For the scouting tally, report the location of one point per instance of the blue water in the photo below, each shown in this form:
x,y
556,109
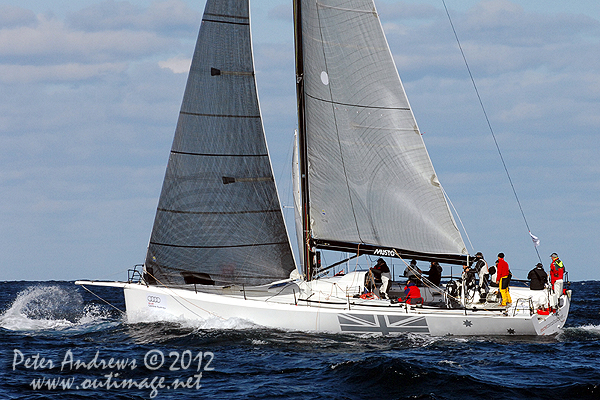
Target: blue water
x,y
68,327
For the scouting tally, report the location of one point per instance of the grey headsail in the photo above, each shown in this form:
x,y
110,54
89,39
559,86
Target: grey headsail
x,y
371,180
219,218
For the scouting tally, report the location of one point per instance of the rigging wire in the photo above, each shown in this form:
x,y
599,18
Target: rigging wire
x,y
105,301
490,126
458,216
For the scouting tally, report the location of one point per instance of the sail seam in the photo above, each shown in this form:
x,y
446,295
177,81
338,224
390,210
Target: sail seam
x,y
227,16
219,115
216,212
226,22
347,9
217,247
218,155
358,105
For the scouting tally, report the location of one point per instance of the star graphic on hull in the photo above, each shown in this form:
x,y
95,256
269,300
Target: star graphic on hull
x,y
467,323
510,331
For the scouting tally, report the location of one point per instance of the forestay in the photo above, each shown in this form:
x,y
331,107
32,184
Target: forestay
x,y
219,218
370,177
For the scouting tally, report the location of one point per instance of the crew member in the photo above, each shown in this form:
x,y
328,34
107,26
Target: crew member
x,y
382,271
481,267
504,275
557,271
412,293
414,272
434,273
468,277
537,277
494,274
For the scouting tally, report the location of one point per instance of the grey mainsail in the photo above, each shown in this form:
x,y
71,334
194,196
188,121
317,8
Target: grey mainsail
x,y
370,178
219,218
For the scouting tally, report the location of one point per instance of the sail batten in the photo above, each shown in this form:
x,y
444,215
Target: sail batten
x,y
219,218
219,212
323,5
220,116
188,153
219,246
358,105
244,19
225,22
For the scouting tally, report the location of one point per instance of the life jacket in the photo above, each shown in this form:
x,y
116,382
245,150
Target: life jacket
x,y
482,267
557,269
381,267
413,292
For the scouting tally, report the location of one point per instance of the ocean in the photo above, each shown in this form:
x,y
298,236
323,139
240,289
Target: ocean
x,y
58,341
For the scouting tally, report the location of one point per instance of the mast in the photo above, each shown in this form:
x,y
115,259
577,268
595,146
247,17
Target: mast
x,y
302,147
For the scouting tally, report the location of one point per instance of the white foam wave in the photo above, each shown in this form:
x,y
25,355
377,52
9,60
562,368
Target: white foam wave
x,y
216,323
229,323
450,363
50,308
349,363
591,328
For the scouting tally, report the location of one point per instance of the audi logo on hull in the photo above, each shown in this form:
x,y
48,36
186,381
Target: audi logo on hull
x,y
153,299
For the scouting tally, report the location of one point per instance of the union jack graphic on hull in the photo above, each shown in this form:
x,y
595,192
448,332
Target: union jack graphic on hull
x,y
384,324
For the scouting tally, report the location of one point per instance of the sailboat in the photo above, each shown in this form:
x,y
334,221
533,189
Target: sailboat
x,y
364,185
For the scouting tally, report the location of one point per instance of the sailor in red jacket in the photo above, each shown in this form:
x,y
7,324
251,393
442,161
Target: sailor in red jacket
x,y
503,277
557,271
412,292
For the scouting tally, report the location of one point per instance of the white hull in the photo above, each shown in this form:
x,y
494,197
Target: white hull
x,y
283,307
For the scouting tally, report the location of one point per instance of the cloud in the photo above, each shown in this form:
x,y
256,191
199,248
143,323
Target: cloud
x,y
58,73
501,21
169,17
407,11
282,12
101,40
496,36
11,16
50,41
178,65
530,67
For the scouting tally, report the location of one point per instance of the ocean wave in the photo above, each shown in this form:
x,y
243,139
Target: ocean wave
x,y
583,332
215,323
51,307
591,328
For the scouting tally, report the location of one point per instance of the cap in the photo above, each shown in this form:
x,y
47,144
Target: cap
x,y
540,265
554,255
478,254
501,255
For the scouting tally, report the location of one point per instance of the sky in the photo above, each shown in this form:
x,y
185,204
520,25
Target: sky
x,y
91,90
